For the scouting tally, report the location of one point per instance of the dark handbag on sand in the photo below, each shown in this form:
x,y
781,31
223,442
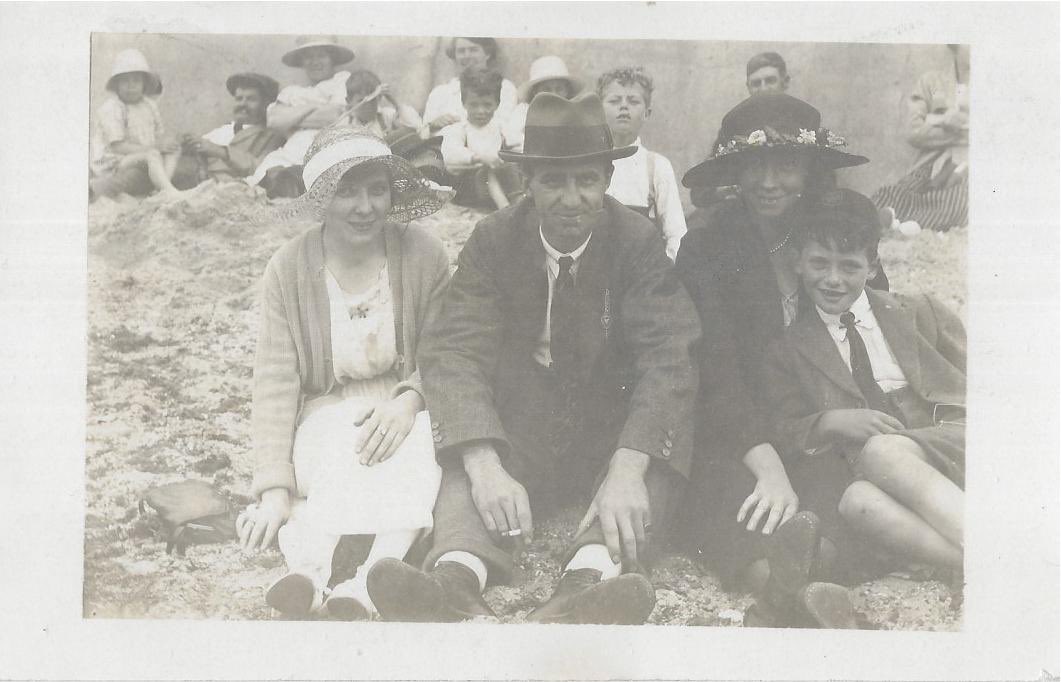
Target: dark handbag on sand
x,y
192,512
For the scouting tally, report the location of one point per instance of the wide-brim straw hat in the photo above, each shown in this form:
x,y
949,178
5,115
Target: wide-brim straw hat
x,y
572,131
336,150
769,121
340,54
547,68
266,85
134,61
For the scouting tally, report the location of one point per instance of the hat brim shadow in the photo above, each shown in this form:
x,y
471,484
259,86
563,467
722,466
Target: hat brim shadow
x,y
606,155
340,55
523,92
721,171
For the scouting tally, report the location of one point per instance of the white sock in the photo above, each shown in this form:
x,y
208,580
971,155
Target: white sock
x,y
471,561
597,557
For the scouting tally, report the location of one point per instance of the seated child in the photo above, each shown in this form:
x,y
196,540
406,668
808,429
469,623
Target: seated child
x,y
129,154
547,74
645,181
875,378
372,107
469,148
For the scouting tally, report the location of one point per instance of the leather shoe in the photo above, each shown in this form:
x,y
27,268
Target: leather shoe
x,y
828,605
293,595
446,594
792,553
581,597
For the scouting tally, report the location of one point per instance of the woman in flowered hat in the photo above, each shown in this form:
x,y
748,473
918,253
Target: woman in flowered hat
x,y
341,438
740,271
444,105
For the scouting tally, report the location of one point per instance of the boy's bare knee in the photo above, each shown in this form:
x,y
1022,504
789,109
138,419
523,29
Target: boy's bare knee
x,y
879,454
858,500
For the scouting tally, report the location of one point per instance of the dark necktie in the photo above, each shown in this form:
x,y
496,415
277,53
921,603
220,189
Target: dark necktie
x,y
562,343
862,369
236,127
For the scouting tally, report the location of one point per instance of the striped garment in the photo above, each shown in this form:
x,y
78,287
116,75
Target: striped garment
x,y
916,197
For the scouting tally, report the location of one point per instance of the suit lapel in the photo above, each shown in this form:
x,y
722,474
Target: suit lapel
x,y
812,341
900,331
590,285
529,283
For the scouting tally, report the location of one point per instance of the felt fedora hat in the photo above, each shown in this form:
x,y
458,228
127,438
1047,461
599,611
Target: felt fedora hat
x,y
769,121
266,85
405,140
133,61
566,130
340,54
547,68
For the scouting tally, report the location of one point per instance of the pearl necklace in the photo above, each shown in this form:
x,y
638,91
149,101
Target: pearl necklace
x,y
781,244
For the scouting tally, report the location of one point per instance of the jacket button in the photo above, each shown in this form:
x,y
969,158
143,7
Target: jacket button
x,y
438,438
668,443
666,452
434,425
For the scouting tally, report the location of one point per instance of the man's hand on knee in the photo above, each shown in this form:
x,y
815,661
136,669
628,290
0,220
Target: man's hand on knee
x,y
501,500
621,504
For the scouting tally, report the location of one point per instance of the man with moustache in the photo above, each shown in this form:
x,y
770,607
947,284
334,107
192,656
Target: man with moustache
x,y
232,151
559,370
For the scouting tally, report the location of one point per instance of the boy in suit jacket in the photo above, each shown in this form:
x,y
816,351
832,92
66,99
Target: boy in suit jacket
x,y
877,378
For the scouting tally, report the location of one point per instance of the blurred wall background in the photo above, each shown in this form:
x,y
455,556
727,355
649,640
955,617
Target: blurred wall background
x,y
859,87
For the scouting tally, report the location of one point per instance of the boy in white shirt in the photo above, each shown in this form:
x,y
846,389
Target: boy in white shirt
x,y
470,147
645,181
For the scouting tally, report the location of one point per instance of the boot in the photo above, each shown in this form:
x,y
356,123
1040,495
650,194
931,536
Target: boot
x,y
446,594
582,597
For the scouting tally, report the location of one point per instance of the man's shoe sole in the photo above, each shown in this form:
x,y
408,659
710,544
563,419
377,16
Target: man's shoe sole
x,y
625,600
403,593
792,551
291,595
346,608
829,606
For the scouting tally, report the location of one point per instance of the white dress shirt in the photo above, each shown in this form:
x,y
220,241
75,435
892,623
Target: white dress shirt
x,y
630,187
552,269
446,99
886,370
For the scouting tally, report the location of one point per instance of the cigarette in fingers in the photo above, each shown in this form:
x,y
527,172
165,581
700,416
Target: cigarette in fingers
x,y
515,533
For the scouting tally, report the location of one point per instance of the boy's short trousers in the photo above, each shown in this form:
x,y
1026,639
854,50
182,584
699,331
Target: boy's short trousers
x,y
472,188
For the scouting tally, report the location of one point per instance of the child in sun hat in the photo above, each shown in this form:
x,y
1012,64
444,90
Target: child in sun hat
x,y
547,74
470,147
129,152
645,181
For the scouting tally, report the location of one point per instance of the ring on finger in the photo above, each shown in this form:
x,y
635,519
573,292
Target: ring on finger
x,y
383,430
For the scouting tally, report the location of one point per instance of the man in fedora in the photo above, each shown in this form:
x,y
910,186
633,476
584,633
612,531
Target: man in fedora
x,y
232,151
558,370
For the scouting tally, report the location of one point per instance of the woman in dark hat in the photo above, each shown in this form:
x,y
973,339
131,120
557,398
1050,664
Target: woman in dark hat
x,y
444,106
741,274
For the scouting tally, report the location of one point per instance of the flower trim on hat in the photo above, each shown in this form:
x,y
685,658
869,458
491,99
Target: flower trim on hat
x,y
768,137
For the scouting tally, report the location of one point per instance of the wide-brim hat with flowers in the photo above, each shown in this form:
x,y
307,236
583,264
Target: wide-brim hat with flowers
x,y
547,68
769,121
134,61
336,150
340,54
561,130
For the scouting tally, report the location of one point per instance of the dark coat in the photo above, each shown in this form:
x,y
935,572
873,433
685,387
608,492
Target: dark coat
x,y
638,334
805,374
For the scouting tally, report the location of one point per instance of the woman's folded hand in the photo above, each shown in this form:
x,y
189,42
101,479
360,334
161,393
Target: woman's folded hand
x,y
385,426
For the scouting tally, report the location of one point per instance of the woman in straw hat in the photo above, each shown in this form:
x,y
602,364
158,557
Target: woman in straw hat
x,y
300,111
129,152
444,106
341,439
741,274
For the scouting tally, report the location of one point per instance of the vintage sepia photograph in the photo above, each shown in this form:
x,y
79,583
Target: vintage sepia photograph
x,y
530,340
461,328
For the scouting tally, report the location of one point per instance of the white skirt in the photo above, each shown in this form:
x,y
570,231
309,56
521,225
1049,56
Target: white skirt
x,y
344,497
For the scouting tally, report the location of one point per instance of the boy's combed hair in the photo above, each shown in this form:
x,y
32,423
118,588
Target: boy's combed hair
x,y
362,80
626,76
767,59
482,82
839,218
